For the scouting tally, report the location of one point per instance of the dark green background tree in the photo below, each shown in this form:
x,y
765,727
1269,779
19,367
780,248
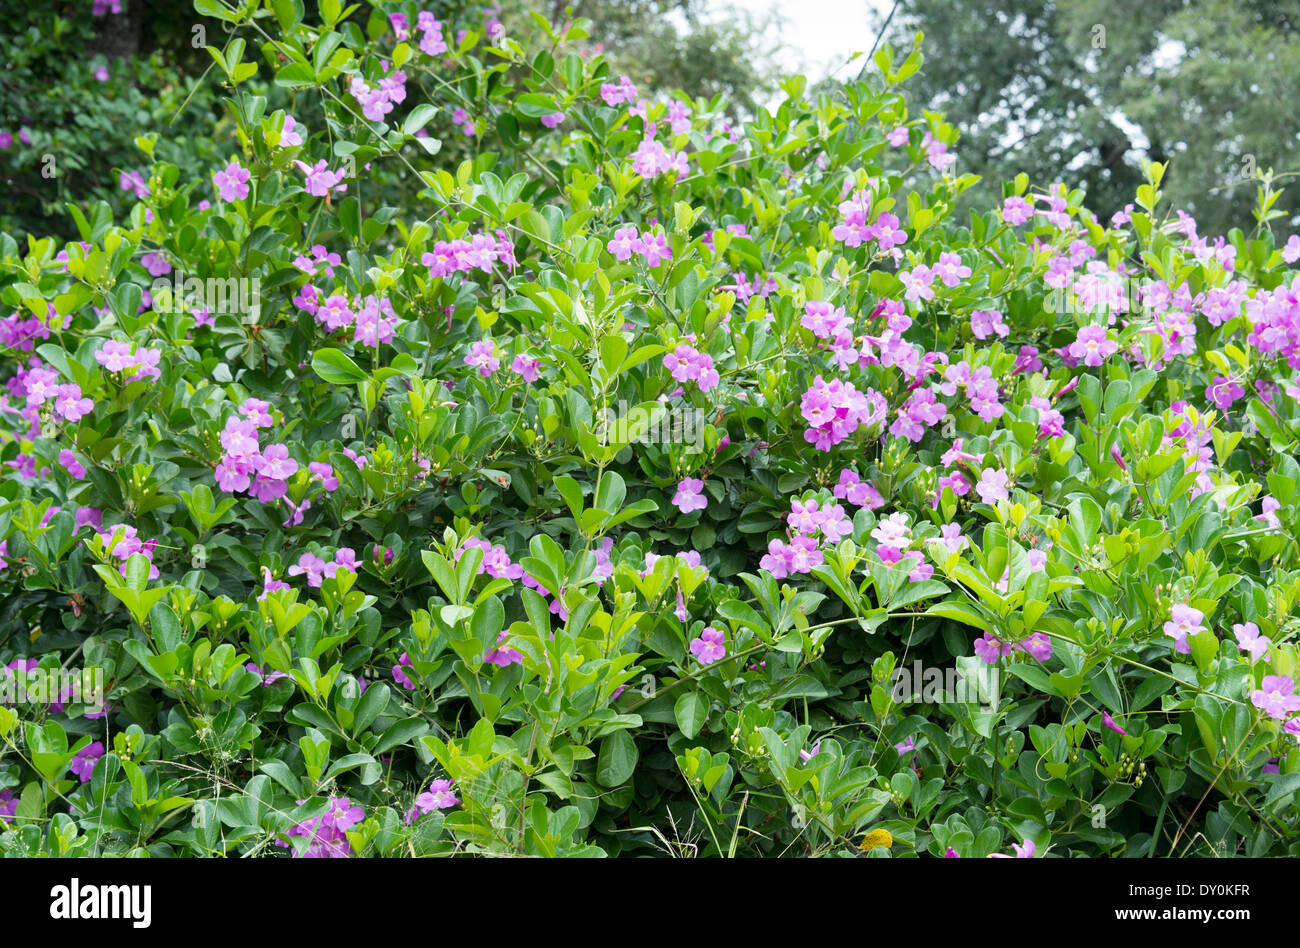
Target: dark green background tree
x,y
1082,91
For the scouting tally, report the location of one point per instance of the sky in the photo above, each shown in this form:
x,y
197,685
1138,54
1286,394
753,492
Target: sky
x,y
818,36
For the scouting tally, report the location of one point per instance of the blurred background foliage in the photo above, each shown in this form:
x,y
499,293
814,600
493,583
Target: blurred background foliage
x,y
1081,90
1077,91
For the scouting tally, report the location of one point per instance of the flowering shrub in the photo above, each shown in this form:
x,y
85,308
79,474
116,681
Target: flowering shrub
x,y
373,519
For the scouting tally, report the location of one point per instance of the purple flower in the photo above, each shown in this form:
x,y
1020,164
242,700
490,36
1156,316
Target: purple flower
x,y
1249,640
690,495
526,367
69,462
231,181
990,648
133,181
624,243
992,485
70,404
439,796
1092,346
1016,211
83,765
1223,392
1184,621
481,355
268,678
503,655
710,646
400,676
320,180
986,322
1276,696
312,566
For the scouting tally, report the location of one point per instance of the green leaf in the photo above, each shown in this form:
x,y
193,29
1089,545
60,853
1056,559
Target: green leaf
x,y
617,760
336,368
691,711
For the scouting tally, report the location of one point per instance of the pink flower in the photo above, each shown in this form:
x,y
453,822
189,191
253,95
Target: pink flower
x,y
503,655
1092,346
625,243
709,646
1184,621
276,462
231,182
690,495
1109,722
156,264
526,367
655,249
1249,640
291,133
70,403
344,558
320,180
1276,696
481,355
992,485
616,93
310,565
133,181
986,322
71,465
950,269
1016,211
439,796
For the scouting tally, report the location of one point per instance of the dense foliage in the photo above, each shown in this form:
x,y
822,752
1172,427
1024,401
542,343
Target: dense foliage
x,y
640,483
